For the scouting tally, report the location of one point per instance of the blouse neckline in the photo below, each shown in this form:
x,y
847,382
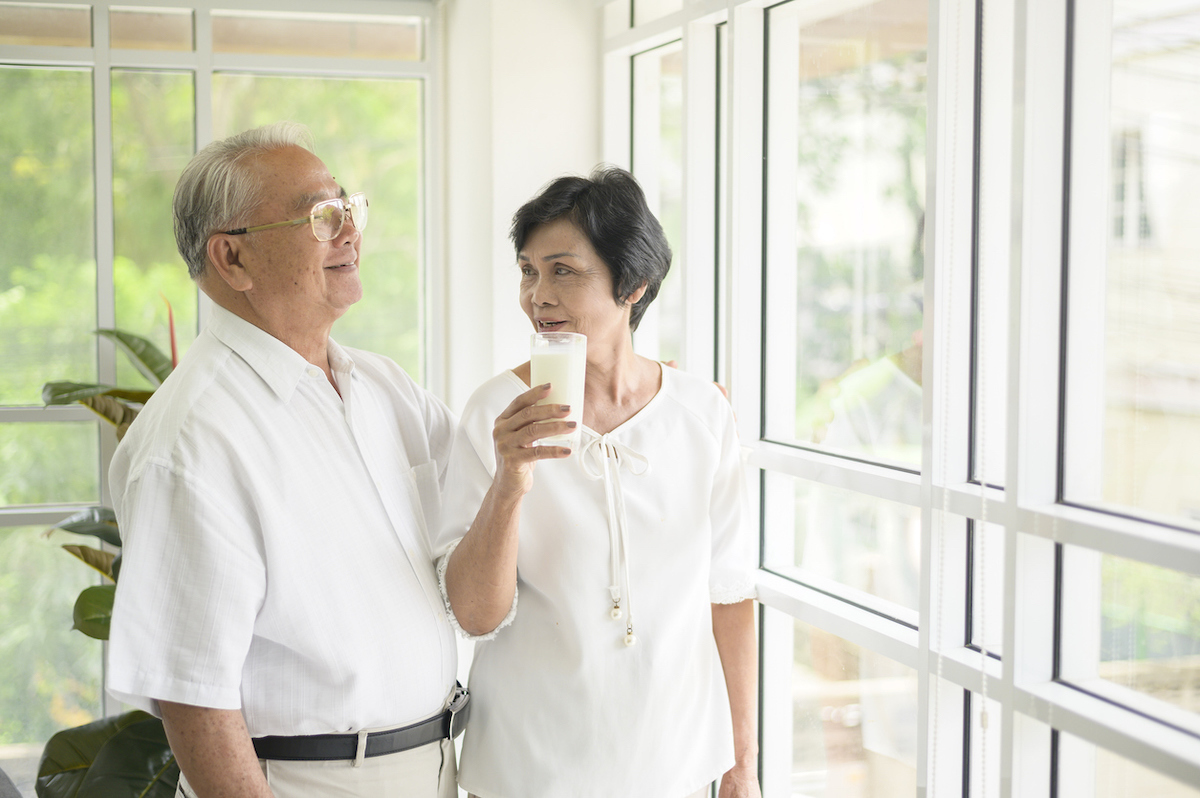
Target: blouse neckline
x,y
627,423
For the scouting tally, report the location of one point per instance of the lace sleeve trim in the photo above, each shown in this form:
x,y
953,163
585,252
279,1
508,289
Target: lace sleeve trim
x,y
733,593
441,574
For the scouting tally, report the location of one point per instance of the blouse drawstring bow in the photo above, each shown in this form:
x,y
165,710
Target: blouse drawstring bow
x,y
602,458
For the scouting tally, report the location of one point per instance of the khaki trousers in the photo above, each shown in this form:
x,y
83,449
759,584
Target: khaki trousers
x,y
700,794
425,772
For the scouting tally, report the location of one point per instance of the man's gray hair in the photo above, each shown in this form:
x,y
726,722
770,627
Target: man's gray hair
x,y
217,190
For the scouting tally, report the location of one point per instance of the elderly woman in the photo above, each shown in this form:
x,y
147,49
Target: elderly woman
x,y
611,587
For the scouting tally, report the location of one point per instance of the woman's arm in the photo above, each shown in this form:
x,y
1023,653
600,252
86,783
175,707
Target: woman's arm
x,y
481,576
733,628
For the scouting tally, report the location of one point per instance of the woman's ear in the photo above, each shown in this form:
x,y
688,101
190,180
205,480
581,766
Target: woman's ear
x,y
637,293
225,256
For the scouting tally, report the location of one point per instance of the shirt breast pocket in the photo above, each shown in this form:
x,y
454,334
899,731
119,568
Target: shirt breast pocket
x,y
427,501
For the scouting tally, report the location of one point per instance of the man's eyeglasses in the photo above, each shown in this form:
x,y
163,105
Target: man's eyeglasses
x,y
325,217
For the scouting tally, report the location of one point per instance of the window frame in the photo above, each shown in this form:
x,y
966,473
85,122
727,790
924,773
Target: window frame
x,y
100,59
1025,47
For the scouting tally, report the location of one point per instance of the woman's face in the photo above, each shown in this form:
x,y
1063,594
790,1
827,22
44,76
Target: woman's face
x,y
566,287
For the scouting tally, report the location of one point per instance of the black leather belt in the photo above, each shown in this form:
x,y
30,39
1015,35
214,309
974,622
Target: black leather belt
x,y
314,747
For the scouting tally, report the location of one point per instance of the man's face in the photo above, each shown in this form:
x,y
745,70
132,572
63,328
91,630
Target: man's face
x,y
296,279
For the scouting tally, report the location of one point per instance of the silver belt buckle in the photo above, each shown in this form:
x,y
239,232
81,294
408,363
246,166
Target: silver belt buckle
x,y
460,710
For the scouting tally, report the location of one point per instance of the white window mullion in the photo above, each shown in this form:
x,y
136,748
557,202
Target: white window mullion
x,y
781,344
317,66
1032,455
105,291
618,108
741,301
434,290
744,253
945,370
1088,234
204,115
1144,740
860,626
839,472
776,721
699,195
1131,538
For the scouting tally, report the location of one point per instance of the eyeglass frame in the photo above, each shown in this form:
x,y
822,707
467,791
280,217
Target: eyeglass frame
x,y
347,211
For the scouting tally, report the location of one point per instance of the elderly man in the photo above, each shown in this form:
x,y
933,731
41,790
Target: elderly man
x,y
278,605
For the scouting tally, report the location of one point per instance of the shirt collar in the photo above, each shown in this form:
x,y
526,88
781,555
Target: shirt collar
x,y
280,366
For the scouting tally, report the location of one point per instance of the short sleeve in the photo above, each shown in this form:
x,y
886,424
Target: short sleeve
x,y
469,473
192,581
440,425
731,576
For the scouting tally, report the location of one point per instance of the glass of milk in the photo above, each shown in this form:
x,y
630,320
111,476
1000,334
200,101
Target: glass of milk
x,y
560,358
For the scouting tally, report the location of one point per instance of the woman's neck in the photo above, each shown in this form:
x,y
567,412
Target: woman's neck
x,y
613,373
618,385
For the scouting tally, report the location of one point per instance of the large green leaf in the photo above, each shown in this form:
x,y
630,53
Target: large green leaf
x,y
98,522
135,763
93,610
64,392
119,414
145,356
68,754
102,561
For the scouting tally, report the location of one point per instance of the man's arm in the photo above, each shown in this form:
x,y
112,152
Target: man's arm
x,y
214,751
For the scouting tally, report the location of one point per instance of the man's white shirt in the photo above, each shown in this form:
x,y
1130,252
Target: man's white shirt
x,y
277,553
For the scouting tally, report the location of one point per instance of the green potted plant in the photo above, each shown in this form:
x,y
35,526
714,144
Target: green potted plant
x,y
125,755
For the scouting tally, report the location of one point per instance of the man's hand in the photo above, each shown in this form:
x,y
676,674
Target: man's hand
x,y
675,364
740,782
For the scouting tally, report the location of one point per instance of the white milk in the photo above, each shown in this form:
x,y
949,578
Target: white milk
x,y
561,360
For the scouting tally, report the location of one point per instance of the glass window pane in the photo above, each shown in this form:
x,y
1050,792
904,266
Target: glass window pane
x,y
1147,297
327,35
373,144
1087,769
649,10
47,263
153,129
658,165
150,28
1152,423
45,25
987,587
49,673
854,719
49,463
1150,630
868,545
845,213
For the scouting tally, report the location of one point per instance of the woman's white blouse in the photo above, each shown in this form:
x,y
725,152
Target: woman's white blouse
x,y
562,705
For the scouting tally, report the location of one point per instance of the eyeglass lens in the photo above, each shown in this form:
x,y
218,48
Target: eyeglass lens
x,y
329,217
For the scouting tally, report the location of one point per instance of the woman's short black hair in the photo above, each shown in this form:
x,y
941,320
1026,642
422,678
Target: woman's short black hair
x,y
610,209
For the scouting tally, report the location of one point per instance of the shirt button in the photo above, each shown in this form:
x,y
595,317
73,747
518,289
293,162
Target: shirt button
x,y
313,371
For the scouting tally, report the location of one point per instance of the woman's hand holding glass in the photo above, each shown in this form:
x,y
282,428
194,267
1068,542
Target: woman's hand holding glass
x,y
516,432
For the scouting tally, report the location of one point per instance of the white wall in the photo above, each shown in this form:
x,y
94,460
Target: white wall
x,y
522,81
